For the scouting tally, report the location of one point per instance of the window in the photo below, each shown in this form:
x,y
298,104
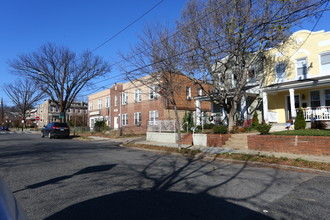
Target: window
x,y
301,67
153,92
107,102
99,104
116,100
153,117
137,118
325,62
124,98
315,99
137,95
69,110
199,92
124,119
280,70
90,106
327,97
188,92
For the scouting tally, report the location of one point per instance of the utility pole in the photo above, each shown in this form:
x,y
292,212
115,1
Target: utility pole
x,y
2,112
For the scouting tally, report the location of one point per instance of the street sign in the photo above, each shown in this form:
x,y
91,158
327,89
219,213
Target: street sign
x,y
37,118
62,115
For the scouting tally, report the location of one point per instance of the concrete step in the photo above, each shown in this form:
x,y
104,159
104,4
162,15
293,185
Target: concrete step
x,y
278,127
237,141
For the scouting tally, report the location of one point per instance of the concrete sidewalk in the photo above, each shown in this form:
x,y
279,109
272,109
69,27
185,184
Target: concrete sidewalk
x,y
218,150
214,150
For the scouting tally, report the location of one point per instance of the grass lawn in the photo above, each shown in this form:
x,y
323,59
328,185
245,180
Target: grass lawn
x,y
306,132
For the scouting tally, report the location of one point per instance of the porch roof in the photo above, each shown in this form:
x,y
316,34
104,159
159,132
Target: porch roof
x,y
298,84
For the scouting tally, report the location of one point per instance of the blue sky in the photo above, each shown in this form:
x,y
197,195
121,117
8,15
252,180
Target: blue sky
x,y
80,25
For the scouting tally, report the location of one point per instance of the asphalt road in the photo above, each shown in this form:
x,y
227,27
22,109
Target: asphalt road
x,y
72,179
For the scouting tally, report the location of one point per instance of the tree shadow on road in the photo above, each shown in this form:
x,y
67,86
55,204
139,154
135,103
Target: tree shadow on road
x,y
163,200
87,170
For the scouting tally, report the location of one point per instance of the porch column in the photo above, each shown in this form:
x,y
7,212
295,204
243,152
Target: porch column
x,y
265,106
198,112
243,108
292,103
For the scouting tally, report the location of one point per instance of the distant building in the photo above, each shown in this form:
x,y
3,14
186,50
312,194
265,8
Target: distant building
x,y
48,112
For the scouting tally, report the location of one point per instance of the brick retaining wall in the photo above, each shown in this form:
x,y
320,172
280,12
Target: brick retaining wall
x,y
312,145
186,138
213,140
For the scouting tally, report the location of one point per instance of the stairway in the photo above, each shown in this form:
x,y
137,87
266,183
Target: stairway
x,y
278,127
237,141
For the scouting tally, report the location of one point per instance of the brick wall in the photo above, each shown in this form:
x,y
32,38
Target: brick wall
x,y
186,138
217,140
291,144
213,140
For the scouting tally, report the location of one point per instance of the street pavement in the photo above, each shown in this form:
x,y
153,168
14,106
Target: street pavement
x,y
100,179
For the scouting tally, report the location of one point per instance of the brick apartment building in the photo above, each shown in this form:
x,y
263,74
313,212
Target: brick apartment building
x,y
131,106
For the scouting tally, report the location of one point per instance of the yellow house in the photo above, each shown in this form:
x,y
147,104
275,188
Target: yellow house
x,y
298,75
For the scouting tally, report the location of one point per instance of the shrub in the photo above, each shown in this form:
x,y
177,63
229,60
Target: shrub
x,y
322,125
247,123
220,129
300,122
188,121
264,128
209,126
99,126
255,120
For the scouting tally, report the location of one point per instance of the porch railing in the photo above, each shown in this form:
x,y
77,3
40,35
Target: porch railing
x,y
319,113
272,116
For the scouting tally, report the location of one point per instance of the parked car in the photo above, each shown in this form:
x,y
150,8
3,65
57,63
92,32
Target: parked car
x,y
56,129
4,128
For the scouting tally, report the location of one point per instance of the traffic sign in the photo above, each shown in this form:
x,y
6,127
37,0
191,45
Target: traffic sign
x,y
37,118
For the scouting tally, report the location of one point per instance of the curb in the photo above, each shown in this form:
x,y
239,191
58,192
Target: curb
x,y
207,156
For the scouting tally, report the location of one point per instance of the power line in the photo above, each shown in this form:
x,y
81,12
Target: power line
x,y
317,21
182,53
128,26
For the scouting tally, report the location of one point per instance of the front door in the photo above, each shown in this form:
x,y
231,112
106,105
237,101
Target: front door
x,y
288,106
115,123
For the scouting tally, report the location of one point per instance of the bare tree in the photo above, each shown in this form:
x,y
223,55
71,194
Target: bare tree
x,y
24,95
225,41
156,56
59,72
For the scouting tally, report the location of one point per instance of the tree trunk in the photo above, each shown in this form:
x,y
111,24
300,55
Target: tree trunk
x,y
177,126
231,116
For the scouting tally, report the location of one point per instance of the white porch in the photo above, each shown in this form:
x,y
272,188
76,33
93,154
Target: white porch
x,y
284,100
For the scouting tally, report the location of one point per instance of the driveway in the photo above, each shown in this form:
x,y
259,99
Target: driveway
x,y
72,179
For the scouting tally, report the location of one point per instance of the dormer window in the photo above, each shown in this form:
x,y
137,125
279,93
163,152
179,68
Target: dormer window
x,y
325,62
280,70
301,67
